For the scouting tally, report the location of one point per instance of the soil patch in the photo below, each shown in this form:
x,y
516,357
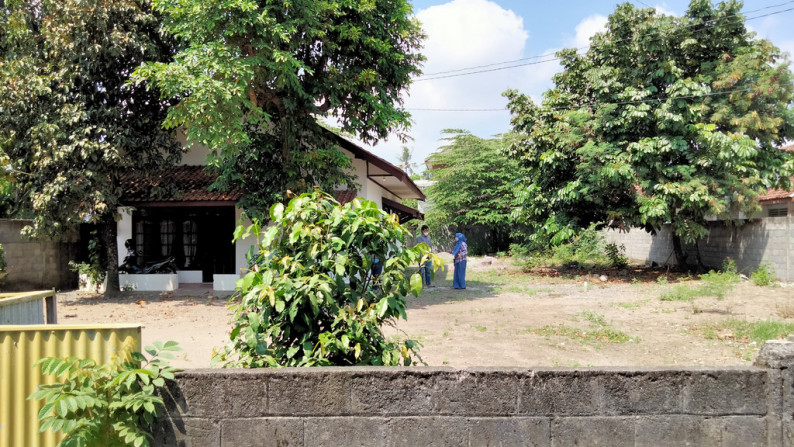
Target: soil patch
x,y
505,317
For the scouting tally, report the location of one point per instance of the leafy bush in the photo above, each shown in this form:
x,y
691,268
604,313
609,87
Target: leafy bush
x,y
108,404
764,275
311,297
616,255
586,249
94,269
3,264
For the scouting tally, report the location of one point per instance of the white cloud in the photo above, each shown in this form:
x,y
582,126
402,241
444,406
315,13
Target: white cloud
x,y
464,33
586,29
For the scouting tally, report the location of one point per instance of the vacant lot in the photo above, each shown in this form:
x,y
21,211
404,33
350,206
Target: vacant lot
x,y
637,317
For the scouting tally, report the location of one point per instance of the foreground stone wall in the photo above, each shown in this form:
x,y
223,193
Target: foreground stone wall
x,y
35,265
479,407
769,240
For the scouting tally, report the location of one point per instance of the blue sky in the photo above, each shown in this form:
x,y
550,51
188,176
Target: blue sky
x,y
468,33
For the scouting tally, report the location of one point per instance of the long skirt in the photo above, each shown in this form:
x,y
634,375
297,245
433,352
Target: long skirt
x,y
459,275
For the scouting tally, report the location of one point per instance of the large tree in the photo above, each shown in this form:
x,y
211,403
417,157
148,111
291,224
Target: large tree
x,y
473,187
255,76
70,122
663,120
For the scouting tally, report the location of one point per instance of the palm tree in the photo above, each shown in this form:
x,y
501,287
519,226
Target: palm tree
x,y
404,161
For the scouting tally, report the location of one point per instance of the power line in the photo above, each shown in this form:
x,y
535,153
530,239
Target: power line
x,y
594,104
704,26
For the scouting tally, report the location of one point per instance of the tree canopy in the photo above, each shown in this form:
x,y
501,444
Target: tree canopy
x,y
253,78
473,187
70,123
663,120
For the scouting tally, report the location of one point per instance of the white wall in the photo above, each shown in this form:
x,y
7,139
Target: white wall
x,y
241,246
124,230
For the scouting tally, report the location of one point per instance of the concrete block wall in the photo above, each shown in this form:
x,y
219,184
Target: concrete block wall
x,y
371,406
768,240
35,265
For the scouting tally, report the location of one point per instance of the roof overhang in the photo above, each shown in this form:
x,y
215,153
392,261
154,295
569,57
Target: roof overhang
x,y
383,173
404,213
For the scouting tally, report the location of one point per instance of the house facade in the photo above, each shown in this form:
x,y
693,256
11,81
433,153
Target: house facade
x,y
196,225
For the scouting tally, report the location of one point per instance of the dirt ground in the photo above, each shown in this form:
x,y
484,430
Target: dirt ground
x,y
505,317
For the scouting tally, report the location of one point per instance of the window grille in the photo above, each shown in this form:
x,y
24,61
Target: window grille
x,y
778,212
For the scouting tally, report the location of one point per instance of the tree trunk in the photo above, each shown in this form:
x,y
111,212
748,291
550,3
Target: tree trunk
x,y
109,232
680,256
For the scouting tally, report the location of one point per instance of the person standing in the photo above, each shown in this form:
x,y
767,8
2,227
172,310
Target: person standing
x,y
460,253
426,268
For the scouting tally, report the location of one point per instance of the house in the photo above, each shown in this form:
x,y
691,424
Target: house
x,y
196,226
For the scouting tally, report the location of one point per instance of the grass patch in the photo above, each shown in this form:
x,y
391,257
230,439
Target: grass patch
x,y
599,330
594,318
480,328
742,330
601,334
631,304
715,284
516,289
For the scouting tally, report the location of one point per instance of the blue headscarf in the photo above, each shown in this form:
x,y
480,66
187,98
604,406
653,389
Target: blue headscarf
x,y
460,240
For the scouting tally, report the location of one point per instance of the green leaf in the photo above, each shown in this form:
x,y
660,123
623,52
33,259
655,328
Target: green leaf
x,y
416,284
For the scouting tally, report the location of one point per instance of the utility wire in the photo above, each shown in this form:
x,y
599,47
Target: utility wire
x,y
551,57
595,104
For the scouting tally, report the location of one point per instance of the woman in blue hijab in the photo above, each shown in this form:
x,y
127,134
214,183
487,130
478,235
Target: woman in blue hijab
x,y
459,252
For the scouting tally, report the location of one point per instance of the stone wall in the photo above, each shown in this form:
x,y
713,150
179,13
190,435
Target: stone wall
x,y
363,406
35,265
768,240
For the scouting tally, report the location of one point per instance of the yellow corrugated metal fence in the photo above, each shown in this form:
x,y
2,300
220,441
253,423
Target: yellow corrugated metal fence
x,y
21,346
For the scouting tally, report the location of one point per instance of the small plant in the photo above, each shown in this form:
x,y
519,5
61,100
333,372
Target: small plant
x,y
594,318
616,255
109,404
94,269
480,328
764,275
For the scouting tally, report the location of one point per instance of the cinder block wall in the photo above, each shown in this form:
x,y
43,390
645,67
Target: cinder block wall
x,y
35,265
769,240
363,406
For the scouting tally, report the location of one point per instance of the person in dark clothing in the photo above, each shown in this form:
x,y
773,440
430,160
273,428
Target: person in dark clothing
x,y
426,268
460,253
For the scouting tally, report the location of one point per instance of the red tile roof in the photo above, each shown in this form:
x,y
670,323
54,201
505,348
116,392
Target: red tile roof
x,y
344,196
776,194
190,182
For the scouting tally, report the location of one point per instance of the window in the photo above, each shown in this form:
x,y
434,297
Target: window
x,y
189,241
780,211
167,233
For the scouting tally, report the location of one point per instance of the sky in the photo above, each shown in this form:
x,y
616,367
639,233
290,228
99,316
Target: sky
x,y
470,33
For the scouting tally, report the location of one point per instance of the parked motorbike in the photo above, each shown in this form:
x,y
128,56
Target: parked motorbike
x,y
130,265
167,265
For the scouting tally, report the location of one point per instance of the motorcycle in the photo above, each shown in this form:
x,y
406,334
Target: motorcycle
x,y
130,265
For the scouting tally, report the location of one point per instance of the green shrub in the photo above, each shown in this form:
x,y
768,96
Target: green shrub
x,y
104,405
616,255
764,275
2,259
94,269
311,298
